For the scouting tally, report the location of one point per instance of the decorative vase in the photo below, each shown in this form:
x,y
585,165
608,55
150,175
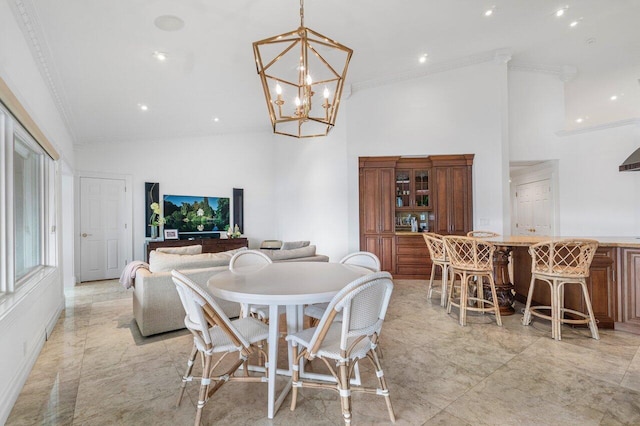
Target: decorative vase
x,y
154,232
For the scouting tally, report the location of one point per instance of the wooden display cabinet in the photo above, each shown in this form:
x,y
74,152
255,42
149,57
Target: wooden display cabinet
x,y
394,189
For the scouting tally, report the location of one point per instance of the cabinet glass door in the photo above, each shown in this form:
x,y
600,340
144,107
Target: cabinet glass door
x,y
403,188
421,185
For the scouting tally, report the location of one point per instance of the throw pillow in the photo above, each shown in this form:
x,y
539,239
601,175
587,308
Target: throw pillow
x,y
195,249
165,262
291,254
290,245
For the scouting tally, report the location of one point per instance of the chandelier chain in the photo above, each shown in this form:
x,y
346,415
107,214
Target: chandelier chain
x,y
302,13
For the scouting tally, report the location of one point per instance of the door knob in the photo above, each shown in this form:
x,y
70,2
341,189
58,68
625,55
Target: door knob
x,y
84,234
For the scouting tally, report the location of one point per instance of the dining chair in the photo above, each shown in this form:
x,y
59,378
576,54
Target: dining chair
x,y
471,258
364,259
559,263
214,333
439,257
341,345
252,258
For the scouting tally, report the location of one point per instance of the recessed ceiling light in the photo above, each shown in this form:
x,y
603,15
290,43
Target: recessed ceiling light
x,y
560,12
490,11
161,56
216,119
423,58
579,120
169,23
614,97
143,107
575,22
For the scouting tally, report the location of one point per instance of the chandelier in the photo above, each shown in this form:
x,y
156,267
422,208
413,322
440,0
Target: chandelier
x,y
302,74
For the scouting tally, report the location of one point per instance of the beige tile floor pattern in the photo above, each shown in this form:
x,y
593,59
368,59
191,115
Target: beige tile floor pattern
x,y
96,369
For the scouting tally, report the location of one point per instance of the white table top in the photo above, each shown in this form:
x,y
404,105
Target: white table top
x,y
284,283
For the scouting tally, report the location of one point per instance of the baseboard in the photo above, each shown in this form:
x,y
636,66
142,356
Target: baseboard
x,y
15,387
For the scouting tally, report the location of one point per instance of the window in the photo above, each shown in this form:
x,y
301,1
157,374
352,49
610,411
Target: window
x,y
26,202
28,207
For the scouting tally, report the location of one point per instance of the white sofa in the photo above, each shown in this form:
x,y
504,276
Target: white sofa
x,y
156,305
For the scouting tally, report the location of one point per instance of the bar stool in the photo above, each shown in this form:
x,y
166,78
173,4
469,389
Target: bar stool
x,y
558,263
471,257
438,258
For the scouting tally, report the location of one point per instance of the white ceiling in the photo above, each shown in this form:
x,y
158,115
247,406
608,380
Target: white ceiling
x,y
97,55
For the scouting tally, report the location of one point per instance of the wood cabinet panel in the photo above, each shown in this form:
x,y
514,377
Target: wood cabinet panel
x,y
629,296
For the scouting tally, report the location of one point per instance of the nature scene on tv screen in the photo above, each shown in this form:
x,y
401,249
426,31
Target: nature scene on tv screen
x,y
196,214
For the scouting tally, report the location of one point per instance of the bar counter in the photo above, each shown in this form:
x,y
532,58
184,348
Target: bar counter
x,y
614,279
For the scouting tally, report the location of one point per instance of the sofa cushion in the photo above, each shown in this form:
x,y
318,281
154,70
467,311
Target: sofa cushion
x,y
164,262
194,249
276,255
290,245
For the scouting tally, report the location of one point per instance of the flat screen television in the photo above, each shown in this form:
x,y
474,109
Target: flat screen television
x,y
196,216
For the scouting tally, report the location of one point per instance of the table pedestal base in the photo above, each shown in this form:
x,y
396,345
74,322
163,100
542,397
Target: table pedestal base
x,y
504,288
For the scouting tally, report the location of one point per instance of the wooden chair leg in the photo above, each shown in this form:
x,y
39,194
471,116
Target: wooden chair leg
x,y
204,388
295,375
384,390
344,388
187,373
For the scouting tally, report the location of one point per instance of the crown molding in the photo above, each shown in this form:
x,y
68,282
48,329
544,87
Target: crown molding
x,y
26,16
605,126
564,72
501,56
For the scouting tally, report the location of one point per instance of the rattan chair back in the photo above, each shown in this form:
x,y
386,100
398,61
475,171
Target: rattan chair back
x,y
569,258
435,244
248,258
363,304
362,258
469,253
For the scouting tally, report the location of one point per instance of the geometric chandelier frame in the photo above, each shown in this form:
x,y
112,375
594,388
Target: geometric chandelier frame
x,y
302,74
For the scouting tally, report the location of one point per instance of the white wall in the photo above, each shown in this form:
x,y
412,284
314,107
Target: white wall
x,y
457,112
207,166
311,190
595,199
34,308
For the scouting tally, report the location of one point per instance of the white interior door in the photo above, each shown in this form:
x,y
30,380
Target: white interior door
x,y
102,228
534,208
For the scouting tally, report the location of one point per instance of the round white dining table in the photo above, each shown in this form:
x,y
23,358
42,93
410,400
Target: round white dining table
x,y
290,284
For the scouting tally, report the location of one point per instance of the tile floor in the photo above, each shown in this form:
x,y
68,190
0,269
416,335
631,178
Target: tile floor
x,y
97,369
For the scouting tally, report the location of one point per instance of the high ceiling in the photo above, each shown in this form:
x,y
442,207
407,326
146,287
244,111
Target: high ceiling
x,y
97,55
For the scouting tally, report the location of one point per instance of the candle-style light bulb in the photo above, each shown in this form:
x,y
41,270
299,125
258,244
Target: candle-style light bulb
x,y
278,89
309,81
326,93
297,101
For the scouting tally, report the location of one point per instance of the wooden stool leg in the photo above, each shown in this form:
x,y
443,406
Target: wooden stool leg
x,y
433,274
444,286
526,319
464,290
557,309
496,306
592,319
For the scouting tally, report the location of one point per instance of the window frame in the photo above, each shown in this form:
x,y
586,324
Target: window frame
x,y
10,129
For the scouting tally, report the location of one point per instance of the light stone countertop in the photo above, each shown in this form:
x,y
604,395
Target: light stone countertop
x,y
527,240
